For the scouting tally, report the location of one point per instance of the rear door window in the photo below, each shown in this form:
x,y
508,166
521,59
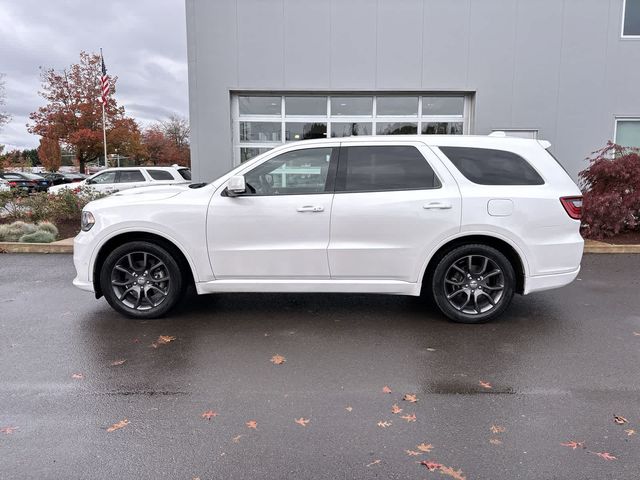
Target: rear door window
x,y
486,166
380,168
130,176
185,173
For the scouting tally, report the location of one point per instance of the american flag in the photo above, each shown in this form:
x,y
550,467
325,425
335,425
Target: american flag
x,y
104,81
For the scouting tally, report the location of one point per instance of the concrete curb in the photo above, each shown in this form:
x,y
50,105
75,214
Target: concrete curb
x,y
66,246
61,246
592,246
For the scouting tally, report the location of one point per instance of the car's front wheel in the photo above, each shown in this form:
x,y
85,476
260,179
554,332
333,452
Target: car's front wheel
x,y
141,280
473,284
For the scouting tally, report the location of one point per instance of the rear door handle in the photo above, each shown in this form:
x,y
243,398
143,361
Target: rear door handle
x,y
437,206
310,208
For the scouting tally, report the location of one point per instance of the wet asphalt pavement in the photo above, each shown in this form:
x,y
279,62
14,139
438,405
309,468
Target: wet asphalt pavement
x,y
561,364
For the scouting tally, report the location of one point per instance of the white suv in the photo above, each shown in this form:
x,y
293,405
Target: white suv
x,y
111,180
469,220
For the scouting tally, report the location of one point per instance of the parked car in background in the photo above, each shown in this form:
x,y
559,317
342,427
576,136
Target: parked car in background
x,y
468,220
4,185
59,178
20,181
42,184
111,180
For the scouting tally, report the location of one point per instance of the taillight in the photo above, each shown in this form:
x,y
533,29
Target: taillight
x,y
573,206
13,184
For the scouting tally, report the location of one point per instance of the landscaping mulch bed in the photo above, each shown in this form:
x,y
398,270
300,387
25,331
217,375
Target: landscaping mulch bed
x,y
626,238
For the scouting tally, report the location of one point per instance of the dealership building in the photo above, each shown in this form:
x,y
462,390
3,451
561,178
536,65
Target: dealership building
x,y
266,72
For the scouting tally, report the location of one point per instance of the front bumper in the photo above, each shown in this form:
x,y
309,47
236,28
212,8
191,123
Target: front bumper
x,y
82,251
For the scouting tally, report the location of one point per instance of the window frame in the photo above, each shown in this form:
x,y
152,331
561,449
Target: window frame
x,y
419,119
624,16
630,118
340,178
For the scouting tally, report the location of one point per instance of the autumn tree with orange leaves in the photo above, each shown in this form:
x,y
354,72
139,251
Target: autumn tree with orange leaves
x,y
73,113
49,153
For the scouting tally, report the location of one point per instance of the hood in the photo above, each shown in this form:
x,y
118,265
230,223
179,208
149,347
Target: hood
x,y
154,192
140,195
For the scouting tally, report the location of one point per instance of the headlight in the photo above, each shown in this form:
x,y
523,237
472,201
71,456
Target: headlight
x,y
87,221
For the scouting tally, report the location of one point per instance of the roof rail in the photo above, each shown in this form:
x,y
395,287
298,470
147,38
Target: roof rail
x,y
498,133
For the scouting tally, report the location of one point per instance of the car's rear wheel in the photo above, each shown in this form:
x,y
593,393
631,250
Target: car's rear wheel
x,y
473,284
141,280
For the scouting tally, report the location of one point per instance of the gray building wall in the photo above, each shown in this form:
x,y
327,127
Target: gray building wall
x,y
558,66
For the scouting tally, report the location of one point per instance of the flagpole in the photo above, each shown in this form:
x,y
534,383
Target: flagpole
x,y
104,135
104,121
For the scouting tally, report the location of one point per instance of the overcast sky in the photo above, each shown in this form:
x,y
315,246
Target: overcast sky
x,y
144,44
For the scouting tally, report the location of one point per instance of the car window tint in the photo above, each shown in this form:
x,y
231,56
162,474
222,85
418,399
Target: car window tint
x,y
492,167
106,177
160,174
292,173
185,172
383,168
128,176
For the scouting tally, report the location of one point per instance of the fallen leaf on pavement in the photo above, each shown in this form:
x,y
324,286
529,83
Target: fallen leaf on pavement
x,y
385,424
630,431
237,438
413,453
619,420
495,441
115,363
486,385
425,447
118,426
209,414
409,418
497,429
348,409
573,445
395,409
431,466
429,349
77,376
252,424
606,455
278,360
8,430
386,389
457,474
163,340
375,462
302,421
410,397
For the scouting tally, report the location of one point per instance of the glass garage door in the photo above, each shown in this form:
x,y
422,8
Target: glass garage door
x,y
263,121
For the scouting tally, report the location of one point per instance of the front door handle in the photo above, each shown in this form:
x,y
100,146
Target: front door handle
x,y
437,206
310,208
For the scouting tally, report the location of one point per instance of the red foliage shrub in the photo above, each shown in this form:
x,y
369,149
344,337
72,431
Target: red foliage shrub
x,y
611,186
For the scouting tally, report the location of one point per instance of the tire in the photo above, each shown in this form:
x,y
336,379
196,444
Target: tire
x,y
473,284
141,280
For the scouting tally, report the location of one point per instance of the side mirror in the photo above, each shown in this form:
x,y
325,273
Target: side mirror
x,y
236,185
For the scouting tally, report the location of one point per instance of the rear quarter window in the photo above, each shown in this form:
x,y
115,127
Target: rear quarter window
x,y
486,166
160,174
185,173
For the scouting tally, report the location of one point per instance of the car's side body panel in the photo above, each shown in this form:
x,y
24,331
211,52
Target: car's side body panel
x,y
369,242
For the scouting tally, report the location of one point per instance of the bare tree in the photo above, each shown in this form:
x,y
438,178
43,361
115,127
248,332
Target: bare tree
x,y
177,129
4,116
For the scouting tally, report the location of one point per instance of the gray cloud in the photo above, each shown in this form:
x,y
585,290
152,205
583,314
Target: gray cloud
x,y
144,43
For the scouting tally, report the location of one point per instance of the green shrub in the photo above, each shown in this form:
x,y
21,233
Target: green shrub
x,y
39,236
15,230
12,205
48,227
